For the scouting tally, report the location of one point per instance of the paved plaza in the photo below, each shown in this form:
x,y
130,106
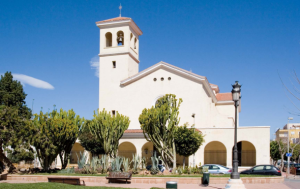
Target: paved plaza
x,y
288,184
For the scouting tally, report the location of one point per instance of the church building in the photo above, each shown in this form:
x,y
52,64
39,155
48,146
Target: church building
x,y
125,89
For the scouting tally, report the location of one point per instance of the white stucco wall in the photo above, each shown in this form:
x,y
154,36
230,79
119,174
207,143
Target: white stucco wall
x,y
258,136
215,120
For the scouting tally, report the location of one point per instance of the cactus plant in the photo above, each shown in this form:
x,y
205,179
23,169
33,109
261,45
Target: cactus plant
x,y
154,169
126,164
81,160
143,162
136,161
116,164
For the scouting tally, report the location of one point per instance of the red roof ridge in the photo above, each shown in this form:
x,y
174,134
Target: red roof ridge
x,y
224,96
114,19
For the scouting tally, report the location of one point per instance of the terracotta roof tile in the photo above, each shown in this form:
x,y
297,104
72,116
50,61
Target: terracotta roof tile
x,y
141,131
133,131
224,96
114,19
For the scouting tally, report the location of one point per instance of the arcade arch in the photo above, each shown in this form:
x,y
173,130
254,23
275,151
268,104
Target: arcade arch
x,y
215,153
246,153
126,149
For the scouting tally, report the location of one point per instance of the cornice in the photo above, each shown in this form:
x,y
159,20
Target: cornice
x,y
120,53
120,23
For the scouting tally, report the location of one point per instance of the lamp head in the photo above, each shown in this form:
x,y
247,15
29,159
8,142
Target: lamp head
x,y
236,90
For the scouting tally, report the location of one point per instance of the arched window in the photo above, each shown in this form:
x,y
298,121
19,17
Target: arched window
x,y
135,40
131,35
120,38
108,37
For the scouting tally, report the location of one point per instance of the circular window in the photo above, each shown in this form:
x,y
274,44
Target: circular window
x,y
162,78
154,79
169,78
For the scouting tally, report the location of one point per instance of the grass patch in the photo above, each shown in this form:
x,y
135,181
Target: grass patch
x,y
48,185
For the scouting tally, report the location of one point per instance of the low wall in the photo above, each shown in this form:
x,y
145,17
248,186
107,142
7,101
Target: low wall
x,y
148,180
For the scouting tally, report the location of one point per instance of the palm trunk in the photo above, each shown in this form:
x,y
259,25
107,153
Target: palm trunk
x,y
183,162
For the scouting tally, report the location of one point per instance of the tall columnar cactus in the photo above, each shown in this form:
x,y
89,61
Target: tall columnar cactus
x,y
108,129
159,125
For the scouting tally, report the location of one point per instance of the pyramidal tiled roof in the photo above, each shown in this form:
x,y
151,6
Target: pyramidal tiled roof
x,y
113,19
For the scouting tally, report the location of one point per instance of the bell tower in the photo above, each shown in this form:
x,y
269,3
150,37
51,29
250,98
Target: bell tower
x,y
119,55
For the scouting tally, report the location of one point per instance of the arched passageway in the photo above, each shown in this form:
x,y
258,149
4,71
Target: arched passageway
x,y
147,152
215,153
126,149
246,153
77,149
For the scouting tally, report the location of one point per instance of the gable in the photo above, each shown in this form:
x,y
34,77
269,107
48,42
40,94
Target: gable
x,y
173,69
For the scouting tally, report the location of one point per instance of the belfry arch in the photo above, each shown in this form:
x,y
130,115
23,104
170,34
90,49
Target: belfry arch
x,y
108,37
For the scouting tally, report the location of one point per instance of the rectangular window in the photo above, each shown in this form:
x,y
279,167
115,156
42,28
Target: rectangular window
x,y
293,133
114,64
113,112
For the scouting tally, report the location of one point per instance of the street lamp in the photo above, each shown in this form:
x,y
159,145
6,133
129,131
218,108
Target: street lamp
x,y
288,146
236,90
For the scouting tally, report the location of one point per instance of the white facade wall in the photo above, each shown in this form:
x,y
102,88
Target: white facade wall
x,y
215,119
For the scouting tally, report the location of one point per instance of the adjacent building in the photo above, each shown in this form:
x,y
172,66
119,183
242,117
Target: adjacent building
x,y
293,132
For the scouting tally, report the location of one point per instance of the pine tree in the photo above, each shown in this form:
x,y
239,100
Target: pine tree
x,y
14,116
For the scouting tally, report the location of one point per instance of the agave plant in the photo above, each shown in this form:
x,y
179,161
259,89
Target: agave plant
x,y
95,164
116,164
154,169
143,162
136,161
126,164
104,163
81,160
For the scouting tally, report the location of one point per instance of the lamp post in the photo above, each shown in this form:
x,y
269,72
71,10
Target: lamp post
x,y
288,146
236,90
235,182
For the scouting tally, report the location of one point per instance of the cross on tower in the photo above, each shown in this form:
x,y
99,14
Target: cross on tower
x,y
120,7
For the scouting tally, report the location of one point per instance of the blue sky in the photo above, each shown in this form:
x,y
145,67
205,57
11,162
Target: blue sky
x,y
250,41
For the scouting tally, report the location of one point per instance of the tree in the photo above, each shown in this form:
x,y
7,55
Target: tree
x,y
159,125
296,152
294,149
282,150
54,134
20,154
14,115
274,151
90,142
108,130
187,141
294,92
